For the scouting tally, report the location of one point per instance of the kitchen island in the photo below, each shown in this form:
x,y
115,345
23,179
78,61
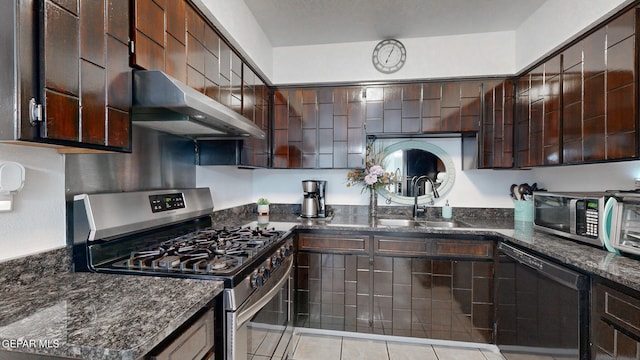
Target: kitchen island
x,y
49,311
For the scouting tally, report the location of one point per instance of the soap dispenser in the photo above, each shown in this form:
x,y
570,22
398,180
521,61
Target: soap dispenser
x,y
446,211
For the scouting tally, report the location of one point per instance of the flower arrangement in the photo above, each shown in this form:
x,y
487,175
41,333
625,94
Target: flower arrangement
x,y
373,176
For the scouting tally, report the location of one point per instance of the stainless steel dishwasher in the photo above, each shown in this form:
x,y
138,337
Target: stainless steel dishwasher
x,y
541,307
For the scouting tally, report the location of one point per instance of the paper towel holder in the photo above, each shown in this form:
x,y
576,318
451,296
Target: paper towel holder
x,y
11,182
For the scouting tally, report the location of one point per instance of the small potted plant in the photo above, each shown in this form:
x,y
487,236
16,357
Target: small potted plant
x,y
263,206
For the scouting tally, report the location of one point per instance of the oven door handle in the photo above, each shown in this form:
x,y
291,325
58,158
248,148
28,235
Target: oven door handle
x,y
245,315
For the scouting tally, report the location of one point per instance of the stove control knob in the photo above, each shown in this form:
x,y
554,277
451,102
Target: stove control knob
x,y
257,280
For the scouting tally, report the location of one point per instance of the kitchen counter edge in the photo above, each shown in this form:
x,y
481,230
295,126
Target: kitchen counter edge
x,y
92,315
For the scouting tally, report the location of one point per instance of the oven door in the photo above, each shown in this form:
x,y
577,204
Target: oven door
x,y
262,325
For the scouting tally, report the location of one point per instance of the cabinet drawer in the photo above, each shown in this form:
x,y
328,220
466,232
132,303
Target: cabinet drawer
x,y
194,343
620,310
352,244
395,245
463,248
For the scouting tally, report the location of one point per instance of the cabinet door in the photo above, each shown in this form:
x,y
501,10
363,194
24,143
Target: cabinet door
x,y
572,101
551,97
523,117
86,80
334,243
396,245
621,79
333,291
615,326
579,106
148,36
319,128
61,63
459,248
430,107
496,134
255,152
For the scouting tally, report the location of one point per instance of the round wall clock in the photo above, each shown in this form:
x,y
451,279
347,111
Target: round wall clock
x,y
389,56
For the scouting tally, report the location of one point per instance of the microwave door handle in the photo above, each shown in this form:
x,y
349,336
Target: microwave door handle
x,y
609,228
572,216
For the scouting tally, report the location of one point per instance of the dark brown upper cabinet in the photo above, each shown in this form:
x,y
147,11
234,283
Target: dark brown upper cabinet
x,y
579,106
319,127
537,116
448,107
83,83
496,134
255,107
174,37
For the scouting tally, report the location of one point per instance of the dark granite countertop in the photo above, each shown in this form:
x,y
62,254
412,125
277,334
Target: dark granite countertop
x,y
585,258
49,311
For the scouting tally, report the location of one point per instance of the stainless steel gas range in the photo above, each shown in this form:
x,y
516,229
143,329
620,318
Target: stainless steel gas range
x,y
170,233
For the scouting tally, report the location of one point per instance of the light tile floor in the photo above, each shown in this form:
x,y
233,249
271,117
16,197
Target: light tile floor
x,y
335,346
326,347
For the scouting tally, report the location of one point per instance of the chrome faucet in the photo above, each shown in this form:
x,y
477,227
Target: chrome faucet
x,y
414,188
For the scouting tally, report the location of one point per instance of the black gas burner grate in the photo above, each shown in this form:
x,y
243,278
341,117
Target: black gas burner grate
x,y
208,251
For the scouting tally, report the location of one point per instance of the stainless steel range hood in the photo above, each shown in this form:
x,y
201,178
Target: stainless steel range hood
x,y
163,103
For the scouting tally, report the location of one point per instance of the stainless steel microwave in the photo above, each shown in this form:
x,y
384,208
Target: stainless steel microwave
x,y
577,216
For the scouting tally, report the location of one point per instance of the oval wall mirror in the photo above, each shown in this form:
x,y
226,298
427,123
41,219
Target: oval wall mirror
x,y
410,160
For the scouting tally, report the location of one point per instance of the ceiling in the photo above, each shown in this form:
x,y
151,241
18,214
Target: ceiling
x,y
312,22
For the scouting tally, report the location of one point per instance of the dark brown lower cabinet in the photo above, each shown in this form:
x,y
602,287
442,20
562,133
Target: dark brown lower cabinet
x,y
615,322
424,295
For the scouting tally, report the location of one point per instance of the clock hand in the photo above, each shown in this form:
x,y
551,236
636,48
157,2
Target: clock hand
x,y
388,56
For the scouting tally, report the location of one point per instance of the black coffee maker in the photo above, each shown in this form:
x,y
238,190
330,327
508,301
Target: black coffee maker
x,y
313,203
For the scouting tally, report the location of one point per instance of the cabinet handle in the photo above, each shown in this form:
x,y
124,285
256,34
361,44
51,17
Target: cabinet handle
x,y
35,112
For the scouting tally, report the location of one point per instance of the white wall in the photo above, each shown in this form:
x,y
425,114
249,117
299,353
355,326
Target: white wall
x,y
37,222
551,26
472,188
237,23
433,57
229,185
497,53
591,177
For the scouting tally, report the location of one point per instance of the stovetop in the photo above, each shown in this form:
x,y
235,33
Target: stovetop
x,y
209,251
169,232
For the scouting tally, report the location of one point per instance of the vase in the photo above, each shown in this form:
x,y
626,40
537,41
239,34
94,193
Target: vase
x,y
373,203
263,209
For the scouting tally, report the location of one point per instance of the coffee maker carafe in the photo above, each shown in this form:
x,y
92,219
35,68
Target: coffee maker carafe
x,y
313,203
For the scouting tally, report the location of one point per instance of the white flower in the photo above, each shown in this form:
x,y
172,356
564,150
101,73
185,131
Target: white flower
x,y
376,170
370,179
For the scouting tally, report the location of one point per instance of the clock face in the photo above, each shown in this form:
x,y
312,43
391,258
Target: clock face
x,y
389,56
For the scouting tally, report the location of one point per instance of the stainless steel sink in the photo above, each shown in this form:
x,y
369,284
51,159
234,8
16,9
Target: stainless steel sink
x,y
436,223
392,222
400,222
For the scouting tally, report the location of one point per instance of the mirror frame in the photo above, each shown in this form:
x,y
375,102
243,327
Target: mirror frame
x,y
444,187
